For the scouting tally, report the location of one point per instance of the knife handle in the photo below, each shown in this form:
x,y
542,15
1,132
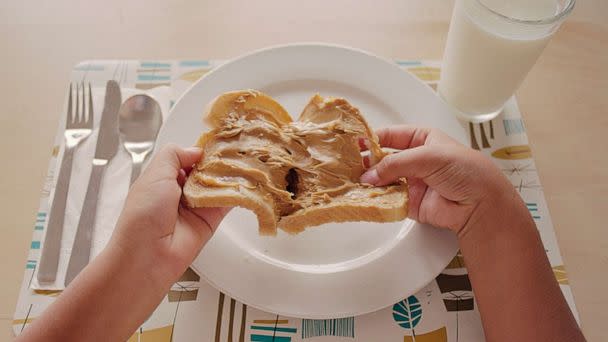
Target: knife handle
x,y
81,249
49,260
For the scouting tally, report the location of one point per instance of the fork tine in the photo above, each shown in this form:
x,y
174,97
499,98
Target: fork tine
x,y
77,112
70,116
83,108
89,122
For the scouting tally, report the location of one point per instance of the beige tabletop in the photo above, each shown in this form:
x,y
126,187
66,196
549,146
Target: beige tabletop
x,y
564,100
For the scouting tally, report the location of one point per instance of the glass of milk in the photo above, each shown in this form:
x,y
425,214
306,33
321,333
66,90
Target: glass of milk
x,y
491,46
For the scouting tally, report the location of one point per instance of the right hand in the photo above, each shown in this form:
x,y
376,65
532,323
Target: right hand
x,y
450,185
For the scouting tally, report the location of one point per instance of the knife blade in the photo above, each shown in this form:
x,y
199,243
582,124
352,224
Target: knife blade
x,y
107,145
107,140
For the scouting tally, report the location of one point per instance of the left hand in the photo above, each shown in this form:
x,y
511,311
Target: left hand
x,y
155,225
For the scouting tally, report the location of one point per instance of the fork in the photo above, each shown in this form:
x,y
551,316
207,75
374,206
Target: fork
x,y
78,127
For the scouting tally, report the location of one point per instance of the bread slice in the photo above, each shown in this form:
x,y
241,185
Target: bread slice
x,y
291,174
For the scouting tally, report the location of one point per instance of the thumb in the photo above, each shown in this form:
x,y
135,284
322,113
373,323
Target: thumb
x,y
170,160
194,228
421,162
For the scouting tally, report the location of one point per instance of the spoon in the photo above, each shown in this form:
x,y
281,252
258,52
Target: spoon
x,y
139,120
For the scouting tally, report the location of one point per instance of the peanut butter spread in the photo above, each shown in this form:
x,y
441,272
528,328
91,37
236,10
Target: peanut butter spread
x,y
292,165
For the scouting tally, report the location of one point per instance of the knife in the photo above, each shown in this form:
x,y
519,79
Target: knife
x,y
107,145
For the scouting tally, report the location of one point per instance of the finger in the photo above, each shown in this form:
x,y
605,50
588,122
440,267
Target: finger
x,y
170,159
398,137
366,162
363,144
188,169
183,175
416,191
194,228
181,178
213,216
420,162
402,136
203,218
438,211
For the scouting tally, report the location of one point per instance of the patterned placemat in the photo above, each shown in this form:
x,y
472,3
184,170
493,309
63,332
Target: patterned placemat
x,y
445,310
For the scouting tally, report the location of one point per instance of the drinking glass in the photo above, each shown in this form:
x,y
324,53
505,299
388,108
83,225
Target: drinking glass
x,y
491,47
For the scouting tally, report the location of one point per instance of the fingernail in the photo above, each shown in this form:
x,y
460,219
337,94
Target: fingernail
x,y
370,177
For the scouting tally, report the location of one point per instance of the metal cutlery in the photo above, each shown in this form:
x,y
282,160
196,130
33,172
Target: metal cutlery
x,y
107,146
79,125
139,121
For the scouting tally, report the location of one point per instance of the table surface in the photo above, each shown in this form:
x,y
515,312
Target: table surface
x,y
564,99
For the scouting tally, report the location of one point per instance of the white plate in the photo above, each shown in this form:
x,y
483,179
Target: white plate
x,y
334,270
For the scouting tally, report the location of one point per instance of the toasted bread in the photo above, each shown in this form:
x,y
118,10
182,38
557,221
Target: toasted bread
x,y
291,174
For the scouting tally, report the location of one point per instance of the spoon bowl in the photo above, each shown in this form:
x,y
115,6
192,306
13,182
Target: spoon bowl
x,y
139,120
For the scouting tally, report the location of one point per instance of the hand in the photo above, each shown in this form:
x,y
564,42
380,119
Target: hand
x,y
456,187
155,225
155,239
449,184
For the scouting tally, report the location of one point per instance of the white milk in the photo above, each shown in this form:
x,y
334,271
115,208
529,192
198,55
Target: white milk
x,y
487,56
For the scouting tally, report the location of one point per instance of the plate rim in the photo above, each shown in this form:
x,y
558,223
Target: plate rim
x,y
289,45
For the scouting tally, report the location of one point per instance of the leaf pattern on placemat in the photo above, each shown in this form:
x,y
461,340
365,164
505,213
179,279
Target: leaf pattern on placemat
x,y
408,312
